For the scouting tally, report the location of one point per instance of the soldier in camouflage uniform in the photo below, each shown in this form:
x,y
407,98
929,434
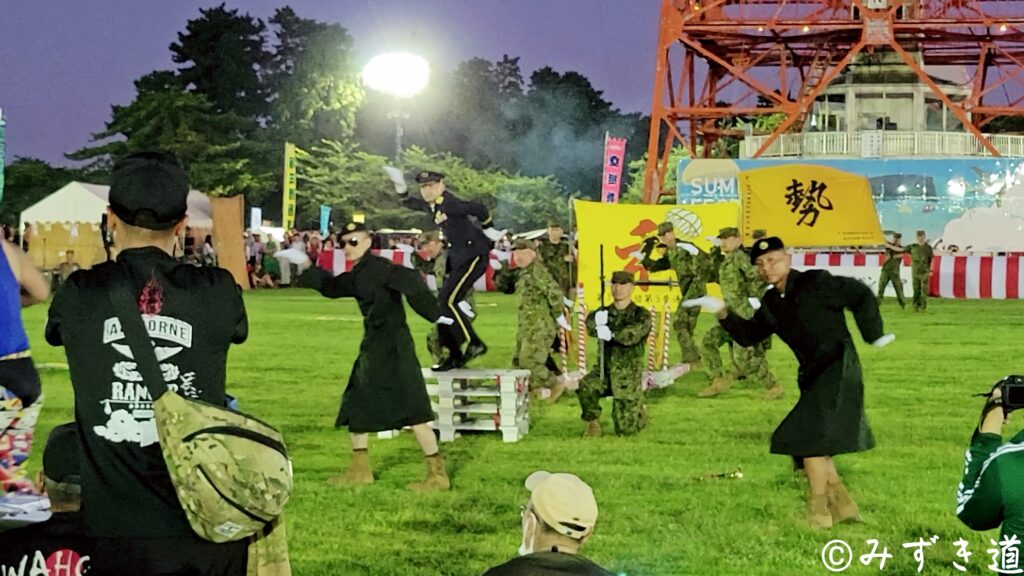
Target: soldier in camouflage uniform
x,y
621,330
557,256
540,315
692,268
432,260
742,288
921,270
891,269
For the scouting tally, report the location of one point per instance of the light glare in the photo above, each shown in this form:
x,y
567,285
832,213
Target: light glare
x,y
402,75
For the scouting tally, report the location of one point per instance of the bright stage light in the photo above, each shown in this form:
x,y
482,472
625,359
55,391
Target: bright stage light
x,y
399,74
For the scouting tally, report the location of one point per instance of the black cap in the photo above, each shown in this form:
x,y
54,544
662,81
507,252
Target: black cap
x,y
622,277
764,246
354,227
61,455
149,190
428,176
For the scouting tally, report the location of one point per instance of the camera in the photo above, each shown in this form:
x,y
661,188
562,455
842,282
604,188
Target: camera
x,y
1012,388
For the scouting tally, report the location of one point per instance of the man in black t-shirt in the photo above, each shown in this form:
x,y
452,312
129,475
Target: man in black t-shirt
x,y
57,543
557,521
192,315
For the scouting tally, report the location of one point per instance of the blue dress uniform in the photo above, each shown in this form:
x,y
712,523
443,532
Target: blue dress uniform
x,y
468,258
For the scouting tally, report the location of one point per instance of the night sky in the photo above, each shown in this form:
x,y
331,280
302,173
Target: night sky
x,y
63,63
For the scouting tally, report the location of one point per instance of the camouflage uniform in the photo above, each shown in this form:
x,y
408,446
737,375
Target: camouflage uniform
x,y
891,273
921,269
692,272
436,267
540,305
624,364
739,281
553,256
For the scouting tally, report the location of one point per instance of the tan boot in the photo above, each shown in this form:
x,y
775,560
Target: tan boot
x,y
437,478
818,516
593,429
358,473
774,393
841,505
718,385
557,389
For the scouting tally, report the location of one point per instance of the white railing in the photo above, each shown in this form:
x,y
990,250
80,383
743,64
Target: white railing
x,y
894,144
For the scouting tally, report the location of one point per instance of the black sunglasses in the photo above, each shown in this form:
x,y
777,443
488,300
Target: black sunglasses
x,y
351,242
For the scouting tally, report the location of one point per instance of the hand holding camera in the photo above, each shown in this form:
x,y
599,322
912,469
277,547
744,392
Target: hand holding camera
x,y
1007,394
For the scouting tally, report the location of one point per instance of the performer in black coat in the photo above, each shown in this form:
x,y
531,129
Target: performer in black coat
x,y
807,311
386,390
467,227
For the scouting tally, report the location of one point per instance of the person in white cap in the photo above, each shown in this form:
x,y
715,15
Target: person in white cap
x,y
557,521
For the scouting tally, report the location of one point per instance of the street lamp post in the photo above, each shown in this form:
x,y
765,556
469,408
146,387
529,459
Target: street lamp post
x,y
401,75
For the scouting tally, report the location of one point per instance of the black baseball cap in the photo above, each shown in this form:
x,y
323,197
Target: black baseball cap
x,y
61,455
149,190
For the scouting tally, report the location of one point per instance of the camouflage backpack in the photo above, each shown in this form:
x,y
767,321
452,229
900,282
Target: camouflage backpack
x,y
231,471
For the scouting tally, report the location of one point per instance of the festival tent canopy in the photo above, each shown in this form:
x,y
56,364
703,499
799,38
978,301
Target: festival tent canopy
x,y
86,203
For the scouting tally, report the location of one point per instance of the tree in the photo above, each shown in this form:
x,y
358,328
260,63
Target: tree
x,y
27,181
223,58
313,80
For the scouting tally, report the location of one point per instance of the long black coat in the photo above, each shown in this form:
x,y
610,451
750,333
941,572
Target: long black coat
x,y
386,390
809,317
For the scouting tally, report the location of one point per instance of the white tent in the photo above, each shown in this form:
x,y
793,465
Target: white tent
x,y
86,203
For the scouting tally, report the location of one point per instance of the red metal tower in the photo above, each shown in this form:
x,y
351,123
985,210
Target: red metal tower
x,y
719,59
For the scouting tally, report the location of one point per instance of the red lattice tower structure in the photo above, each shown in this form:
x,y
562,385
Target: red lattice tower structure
x,y
717,58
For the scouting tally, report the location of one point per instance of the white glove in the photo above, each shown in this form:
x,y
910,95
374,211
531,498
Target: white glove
x,y
755,303
446,321
466,309
689,248
503,255
493,234
709,303
884,341
563,322
713,240
495,264
568,303
601,317
396,177
604,333
638,255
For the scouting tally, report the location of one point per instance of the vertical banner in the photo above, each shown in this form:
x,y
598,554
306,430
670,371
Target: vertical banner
x,y
611,180
289,188
255,218
228,223
325,220
2,153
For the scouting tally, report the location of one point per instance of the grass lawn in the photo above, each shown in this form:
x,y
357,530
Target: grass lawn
x,y
656,518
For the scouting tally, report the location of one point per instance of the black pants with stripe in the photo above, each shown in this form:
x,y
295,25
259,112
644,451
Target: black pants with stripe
x,y
456,285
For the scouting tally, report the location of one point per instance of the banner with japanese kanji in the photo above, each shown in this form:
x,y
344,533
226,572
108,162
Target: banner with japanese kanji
x,y
622,229
611,177
809,205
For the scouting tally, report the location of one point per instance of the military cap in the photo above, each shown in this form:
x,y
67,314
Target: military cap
x,y
758,234
149,190
60,456
728,232
665,228
428,176
764,246
622,277
554,223
354,227
430,236
922,233
564,502
523,244
897,235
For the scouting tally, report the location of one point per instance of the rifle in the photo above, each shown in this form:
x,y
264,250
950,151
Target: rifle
x,y
600,349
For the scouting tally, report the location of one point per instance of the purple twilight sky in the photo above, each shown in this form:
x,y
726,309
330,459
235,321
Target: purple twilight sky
x,y
64,62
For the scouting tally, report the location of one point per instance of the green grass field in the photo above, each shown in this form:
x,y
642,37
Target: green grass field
x,y
656,518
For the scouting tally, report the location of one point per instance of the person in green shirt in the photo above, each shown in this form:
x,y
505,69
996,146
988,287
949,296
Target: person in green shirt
x,y
921,270
891,269
991,493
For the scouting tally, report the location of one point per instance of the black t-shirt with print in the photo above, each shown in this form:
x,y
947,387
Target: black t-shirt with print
x,y
57,544
193,315
548,564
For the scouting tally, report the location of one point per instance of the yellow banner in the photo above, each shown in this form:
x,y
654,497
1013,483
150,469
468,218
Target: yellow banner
x,y
809,205
289,188
622,229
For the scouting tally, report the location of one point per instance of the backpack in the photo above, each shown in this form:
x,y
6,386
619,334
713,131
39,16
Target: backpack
x,y
231,472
